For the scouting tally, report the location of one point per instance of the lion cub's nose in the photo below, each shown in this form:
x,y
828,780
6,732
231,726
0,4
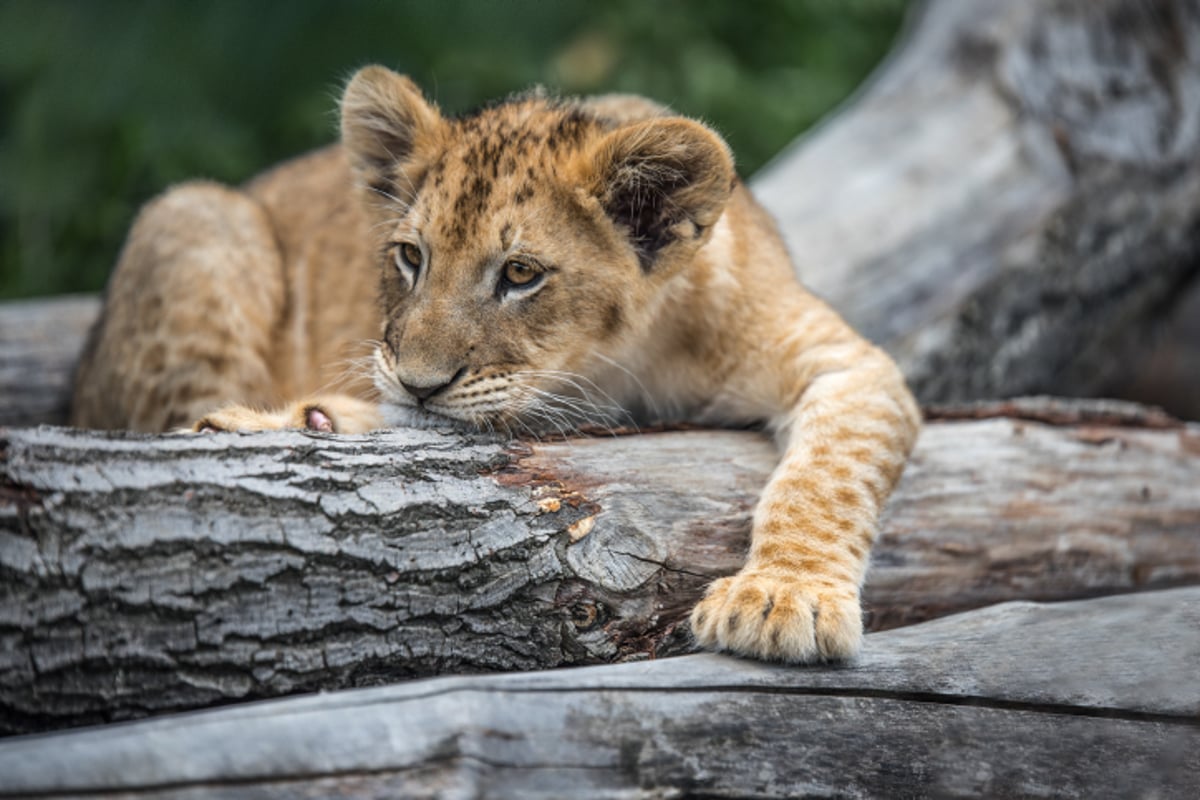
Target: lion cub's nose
x,y
423,393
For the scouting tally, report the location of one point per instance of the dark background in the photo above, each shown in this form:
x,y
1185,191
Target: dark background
x,y
103,103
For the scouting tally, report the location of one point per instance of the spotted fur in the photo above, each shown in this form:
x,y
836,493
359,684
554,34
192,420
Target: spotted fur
x,y
540,264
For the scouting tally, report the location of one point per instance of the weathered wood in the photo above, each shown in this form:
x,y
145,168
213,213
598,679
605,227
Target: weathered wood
x,y
1090,699
1013,197
145,574
40,342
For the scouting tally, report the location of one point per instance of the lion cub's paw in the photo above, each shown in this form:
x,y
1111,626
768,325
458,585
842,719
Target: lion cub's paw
x,y
241,418
331,413
779,618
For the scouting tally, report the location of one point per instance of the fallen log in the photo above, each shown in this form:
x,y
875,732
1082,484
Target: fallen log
x,y
1090,699
148,574
1014,198
40,342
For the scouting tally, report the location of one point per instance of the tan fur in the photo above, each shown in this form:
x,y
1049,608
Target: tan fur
x,y
643,281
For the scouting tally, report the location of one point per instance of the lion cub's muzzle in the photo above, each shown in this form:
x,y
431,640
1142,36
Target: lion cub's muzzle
x,y
425,389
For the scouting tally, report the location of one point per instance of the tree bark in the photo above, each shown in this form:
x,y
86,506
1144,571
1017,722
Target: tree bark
x,y
147,574
1090,699
40,343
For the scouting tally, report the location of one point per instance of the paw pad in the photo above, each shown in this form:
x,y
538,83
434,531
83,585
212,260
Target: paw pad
x,y
779,618
317,420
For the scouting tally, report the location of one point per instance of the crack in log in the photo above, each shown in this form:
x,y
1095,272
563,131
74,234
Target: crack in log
x,y
903,696
1059,413
664,566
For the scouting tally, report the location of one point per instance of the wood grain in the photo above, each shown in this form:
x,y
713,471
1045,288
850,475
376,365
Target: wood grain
x,y
40,342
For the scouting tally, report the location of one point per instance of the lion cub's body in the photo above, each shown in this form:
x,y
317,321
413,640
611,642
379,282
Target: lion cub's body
x,y
540,264
256,296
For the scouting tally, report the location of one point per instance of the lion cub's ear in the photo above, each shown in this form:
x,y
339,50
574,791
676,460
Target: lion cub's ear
x,y
388,128
664,181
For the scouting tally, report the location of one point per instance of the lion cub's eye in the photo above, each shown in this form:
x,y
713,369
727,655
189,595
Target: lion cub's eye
x,y
408,260
411,254
519,275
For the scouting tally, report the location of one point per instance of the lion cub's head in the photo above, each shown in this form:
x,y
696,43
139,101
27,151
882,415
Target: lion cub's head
x,y
523,243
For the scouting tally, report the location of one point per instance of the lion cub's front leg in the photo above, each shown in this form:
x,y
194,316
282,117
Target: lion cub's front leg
x,y
844,447
334,413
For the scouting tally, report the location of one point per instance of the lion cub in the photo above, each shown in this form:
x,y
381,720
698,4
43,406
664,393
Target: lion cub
x,y
538,264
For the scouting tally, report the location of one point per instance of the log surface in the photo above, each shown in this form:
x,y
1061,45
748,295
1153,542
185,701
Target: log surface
x,y
40,343
1089,699
146,574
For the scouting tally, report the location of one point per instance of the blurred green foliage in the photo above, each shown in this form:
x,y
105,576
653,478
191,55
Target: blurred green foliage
x,y
103,103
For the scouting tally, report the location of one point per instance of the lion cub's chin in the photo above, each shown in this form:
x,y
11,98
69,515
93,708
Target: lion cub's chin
x,y
395,416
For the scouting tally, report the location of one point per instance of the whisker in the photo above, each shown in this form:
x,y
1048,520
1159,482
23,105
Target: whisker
x,y
646,395
584,407
566,413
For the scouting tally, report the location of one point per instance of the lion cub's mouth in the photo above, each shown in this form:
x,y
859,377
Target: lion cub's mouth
x,y
505,398
403,416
